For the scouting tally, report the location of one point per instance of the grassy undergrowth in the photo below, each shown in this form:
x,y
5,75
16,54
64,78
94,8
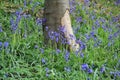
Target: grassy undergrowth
x,y
23,55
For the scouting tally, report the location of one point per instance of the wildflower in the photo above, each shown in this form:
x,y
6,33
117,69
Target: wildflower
x,y
46,28
117,2
67,69
36,46
25,3
1,29
87,37
47,72
42,50
39,21
81,55
90,71
0,44
86,2
67,56
102,69
84,67
43,61
6,44
79,19
58,51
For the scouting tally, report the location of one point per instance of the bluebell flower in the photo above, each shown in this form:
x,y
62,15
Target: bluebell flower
x,y
87,2
25,3
36,46
81,55
39,21
46,28
1,44
67,69
102,69
67,54
43,61
47,72
42,50
97,23
87,37
90,71
117,2
79,19
84,67
6,44
1,29
58,51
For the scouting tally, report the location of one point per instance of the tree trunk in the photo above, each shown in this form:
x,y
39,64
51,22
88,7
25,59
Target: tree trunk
x,y
57,28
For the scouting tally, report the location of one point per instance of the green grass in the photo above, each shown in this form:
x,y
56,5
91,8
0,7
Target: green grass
x,y
26,57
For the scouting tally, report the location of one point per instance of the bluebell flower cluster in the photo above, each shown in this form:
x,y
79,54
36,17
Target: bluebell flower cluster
x,y
85,67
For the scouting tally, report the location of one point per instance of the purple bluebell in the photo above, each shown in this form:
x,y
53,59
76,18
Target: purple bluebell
x,y
67,55
97,23
87,37
62,29
6,44
81,55
1,44
67,69
36,46
102,69
46,28
117,2
47,72
58,51
87,2
25,3
39,21
116,33
42,50
79,19
84,67
90,71
51,35
43,61
1,29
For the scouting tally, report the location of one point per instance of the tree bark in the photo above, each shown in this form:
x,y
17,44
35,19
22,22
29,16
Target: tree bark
x,y
57,28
